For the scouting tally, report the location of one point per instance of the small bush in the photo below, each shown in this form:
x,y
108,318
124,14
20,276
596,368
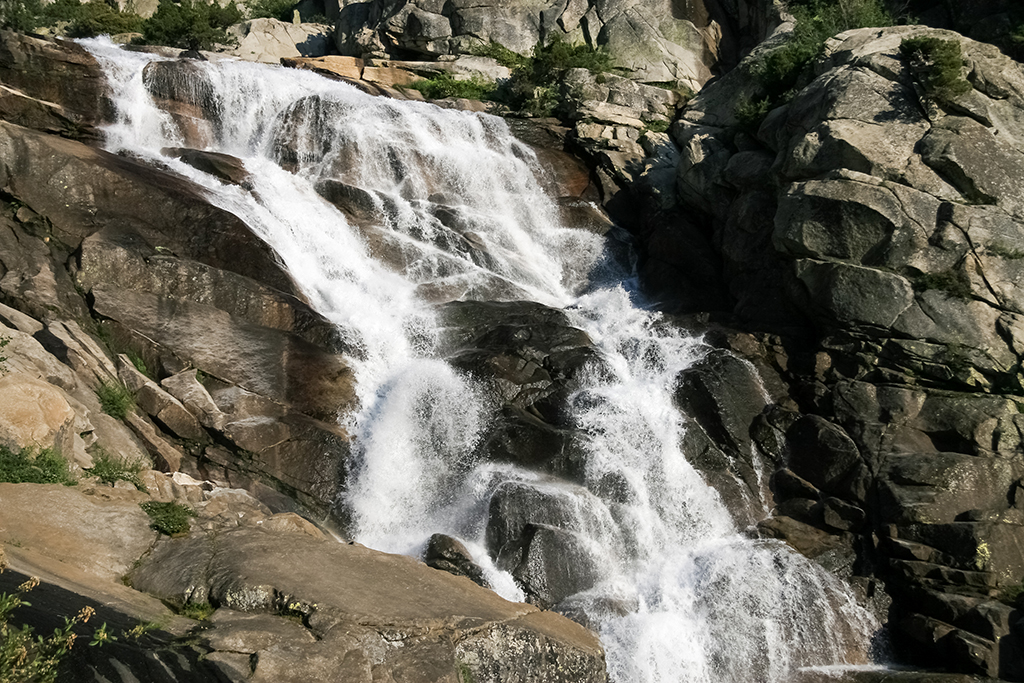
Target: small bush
x,y
658,126
816,22
29,467
501,54
115,399
938,65
192,24
139,363
554,59
200,611
110,470
21,15
282,10
1006,252
28,658
88,19
71,17
445,85
953,282
168,518
750,113
4,341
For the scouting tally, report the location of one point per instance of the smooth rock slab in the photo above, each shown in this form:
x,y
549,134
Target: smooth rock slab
x,y
101,536
369,611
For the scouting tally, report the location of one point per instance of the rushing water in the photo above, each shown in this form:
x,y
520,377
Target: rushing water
x,y
678,593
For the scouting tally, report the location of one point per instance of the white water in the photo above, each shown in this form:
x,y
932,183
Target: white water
x,y
680,595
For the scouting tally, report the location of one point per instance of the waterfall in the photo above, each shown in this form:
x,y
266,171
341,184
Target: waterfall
x,y
677,593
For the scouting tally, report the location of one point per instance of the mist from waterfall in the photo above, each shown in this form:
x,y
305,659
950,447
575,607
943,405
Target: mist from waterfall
x,y
681,595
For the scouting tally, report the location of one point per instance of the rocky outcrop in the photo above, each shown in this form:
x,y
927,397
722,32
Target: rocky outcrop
x,y
343,611
270,40
649,39
877,229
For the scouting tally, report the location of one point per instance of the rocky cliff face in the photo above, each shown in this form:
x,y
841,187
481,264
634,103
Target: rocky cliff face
x,y
653,40
877,233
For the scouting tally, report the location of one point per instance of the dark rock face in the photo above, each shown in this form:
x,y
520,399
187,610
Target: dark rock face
x,y
178,282
881,232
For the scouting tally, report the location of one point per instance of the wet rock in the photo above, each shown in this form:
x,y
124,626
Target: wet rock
x,y
528,352
59,72
450,555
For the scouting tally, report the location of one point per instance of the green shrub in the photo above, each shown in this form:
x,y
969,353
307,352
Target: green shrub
x,y
88,19
115,399
953,282
552,60
501,54
27,466
139,363
28,658
445,85
168,518
4,341
816,22
750,113
20,15
938,66
282,10
110,470
532,88
658,126
192,24
200,611
1006,252
71,17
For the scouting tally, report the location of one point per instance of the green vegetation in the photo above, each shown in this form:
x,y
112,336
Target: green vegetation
x,y
938,66
200,611
816,21
750,113
168,518
657,126
115,399
997,249
953,282
27,466
445,85
109,469
4,341
532,88
191,24
501,54
28,658
272,9
20,15
139,363
74,18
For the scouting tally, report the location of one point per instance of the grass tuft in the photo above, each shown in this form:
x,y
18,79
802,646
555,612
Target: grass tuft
x,y
110,469
115,399
27,466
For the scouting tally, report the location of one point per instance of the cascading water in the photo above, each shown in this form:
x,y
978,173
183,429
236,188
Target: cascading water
x,y
677,594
